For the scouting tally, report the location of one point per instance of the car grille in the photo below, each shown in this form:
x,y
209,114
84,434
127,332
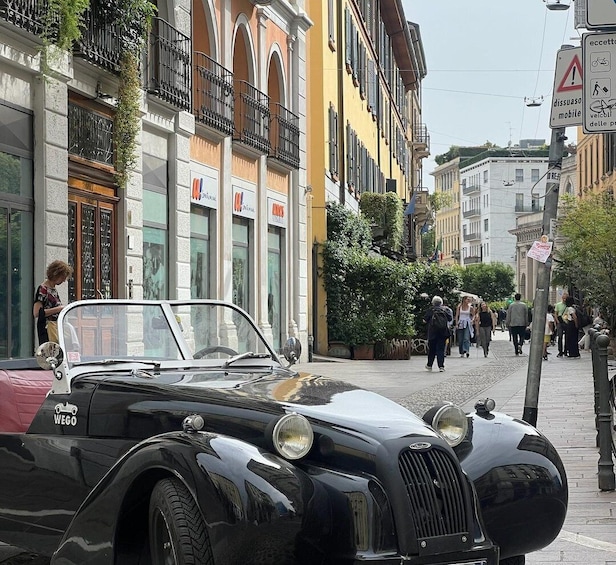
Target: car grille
x,y
435,492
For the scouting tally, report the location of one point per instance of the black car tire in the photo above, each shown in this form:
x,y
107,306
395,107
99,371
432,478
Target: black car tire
x,y
177,531
517,560
214,349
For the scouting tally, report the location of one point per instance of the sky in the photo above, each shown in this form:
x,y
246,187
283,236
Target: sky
x,y
484,58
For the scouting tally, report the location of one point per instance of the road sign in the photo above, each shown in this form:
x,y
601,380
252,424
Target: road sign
x,y
567,93
599,80
600,14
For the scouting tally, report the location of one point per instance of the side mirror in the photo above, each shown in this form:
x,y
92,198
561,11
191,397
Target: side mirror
x,y
49,355
292,350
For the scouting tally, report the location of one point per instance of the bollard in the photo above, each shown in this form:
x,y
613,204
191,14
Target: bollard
x,y
595,368
607,480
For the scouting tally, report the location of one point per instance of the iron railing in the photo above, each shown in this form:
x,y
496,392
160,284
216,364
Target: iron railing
x,y
169,65
28,15
100,41
252,117
213,103
421,137
284,136
90,135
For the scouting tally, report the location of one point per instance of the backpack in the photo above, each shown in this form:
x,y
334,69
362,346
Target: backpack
x,y
439,324
583,318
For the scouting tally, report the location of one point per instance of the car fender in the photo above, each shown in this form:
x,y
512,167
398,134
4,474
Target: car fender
x,y
519,479
234,484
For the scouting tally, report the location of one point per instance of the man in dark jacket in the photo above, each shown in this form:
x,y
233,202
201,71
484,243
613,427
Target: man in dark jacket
x,y
437,319
517,322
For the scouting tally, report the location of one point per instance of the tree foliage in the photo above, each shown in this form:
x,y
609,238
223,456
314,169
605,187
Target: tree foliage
x,y
491,281
588,258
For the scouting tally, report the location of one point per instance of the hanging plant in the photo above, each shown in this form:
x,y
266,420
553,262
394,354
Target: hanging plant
x,y
133,18
127,121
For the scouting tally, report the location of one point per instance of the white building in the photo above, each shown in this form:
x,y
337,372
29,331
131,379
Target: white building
x,y
496,187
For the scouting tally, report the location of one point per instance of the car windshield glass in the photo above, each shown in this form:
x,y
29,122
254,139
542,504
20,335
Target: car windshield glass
x,y
114,331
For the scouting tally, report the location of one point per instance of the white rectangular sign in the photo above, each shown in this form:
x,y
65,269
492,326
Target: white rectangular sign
x,y
600,14
567,92
599,66
540,251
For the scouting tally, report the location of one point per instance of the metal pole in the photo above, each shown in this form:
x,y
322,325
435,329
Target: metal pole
x,y
607,481
542,291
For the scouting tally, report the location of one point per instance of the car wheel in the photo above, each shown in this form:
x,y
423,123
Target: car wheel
x,y
177,531
517,560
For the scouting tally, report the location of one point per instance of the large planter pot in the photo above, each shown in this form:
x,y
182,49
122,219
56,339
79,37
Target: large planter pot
x,y
364,351
339,349
393,349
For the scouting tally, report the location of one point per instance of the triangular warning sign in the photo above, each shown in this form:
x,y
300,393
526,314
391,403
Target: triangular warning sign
x,y
572,79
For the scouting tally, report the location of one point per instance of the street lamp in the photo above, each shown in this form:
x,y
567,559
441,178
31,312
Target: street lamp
x,y
556,5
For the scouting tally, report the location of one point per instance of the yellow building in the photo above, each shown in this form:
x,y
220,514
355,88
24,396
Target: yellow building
x,y
364,117
447,187
596,162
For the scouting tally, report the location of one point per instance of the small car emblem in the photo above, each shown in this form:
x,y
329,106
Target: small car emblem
x,y
420,445
65,414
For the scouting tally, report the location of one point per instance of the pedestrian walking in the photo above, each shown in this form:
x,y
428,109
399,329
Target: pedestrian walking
x,y
47,304
572,330
464,325
560,309
486,327
517,322
437,319
549,330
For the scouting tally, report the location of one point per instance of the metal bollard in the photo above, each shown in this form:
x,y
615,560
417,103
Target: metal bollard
x,y
607,480
595,368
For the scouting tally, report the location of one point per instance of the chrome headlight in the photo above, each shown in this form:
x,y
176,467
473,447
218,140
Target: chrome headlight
x,y
292,436
449,421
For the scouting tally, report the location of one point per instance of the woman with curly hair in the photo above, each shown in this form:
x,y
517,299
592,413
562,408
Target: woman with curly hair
x,y
47,303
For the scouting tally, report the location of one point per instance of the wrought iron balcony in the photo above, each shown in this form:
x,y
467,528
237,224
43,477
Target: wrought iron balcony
x,y
28,15
421,140
214,94
252,117
90,135
284,136
471,236
100,42
169,66
473,259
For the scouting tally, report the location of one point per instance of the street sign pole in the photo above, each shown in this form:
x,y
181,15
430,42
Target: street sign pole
x,y
542,291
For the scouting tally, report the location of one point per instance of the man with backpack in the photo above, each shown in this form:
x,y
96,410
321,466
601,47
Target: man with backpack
x,y
437,319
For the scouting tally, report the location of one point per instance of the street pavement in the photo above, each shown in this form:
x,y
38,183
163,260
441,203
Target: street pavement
x,y
565,416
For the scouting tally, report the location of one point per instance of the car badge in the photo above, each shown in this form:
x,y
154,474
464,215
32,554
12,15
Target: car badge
x,y
65,414
420,446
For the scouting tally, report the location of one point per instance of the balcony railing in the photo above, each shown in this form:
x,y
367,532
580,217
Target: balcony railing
x,y
169,64
252,117
471,236
421,139
99,43
521,208
471,188
472,260
28,15
471,212
284,136
90,135
214,95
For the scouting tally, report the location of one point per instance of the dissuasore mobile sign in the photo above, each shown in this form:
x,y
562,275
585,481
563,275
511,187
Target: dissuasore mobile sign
x,y
568,87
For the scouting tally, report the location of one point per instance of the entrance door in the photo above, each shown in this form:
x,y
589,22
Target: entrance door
x,y
92,236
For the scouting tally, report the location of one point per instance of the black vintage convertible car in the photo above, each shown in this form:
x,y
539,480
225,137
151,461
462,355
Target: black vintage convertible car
x,y
170,432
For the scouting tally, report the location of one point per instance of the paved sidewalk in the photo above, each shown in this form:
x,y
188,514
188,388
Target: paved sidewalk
x,y
565,415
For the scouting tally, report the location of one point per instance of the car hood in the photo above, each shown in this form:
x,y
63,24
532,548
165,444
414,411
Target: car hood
x,y
259,396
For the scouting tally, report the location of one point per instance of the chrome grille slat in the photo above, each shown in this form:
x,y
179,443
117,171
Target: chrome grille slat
x,y
435,493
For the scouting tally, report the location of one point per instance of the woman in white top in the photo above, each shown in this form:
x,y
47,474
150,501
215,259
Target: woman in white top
x,y
464,325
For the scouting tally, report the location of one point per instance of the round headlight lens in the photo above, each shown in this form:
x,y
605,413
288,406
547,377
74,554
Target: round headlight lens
x,y
292,436
451,423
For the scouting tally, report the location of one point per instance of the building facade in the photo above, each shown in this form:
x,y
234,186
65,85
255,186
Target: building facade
x,y
365,129
496,187
215,204
447,224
